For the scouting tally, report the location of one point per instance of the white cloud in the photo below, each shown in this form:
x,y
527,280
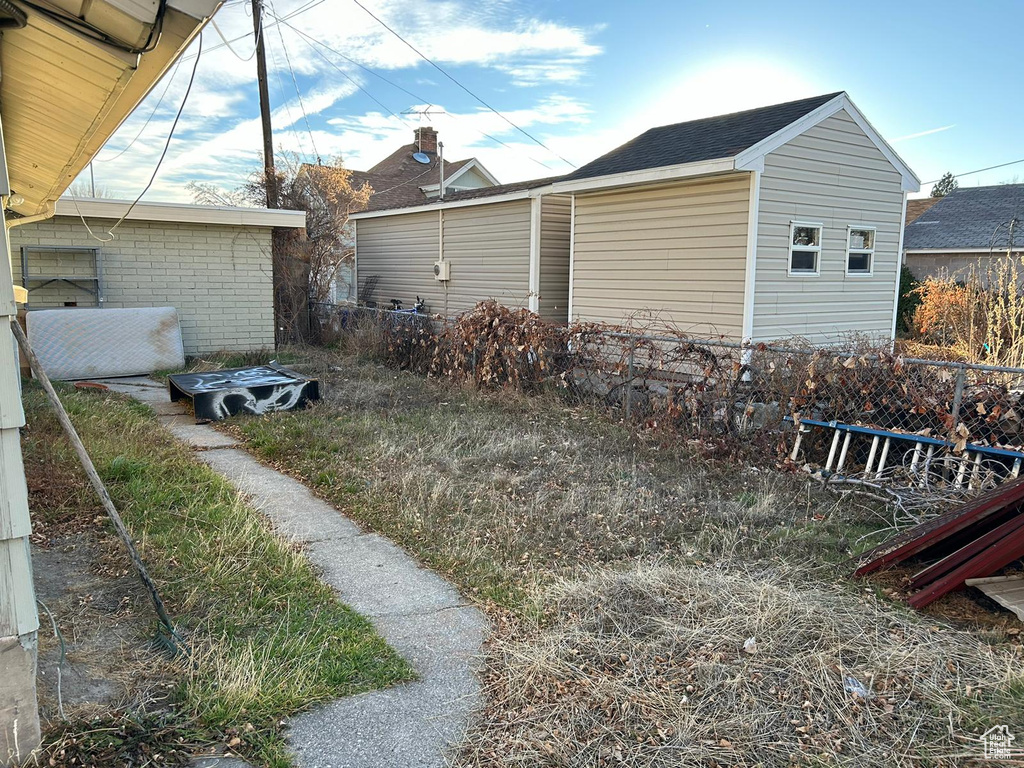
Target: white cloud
x,y
219,136
920,134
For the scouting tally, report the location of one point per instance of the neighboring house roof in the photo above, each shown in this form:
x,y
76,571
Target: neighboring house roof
x,y
399,180
709,138
916,207
973,219
95,208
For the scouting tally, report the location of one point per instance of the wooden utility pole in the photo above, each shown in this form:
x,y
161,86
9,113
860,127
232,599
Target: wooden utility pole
x,y
261,78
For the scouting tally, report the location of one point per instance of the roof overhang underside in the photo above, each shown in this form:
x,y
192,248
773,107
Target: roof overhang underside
x,y
63,92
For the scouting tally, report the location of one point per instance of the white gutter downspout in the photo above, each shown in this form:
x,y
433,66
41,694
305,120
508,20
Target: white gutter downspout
x,y
51,209
899,271
750,276
534,281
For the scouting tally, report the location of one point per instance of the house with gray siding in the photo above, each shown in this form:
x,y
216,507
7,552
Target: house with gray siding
x,y
211,263
967,231
778,222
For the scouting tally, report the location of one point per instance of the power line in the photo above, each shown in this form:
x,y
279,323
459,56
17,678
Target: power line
x,y
346,75
295,82
291,15
159,162
445,72
310,40
980,170
148,119
227,42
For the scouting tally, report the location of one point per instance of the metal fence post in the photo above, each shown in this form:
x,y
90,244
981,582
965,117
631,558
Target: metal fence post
x,y
630,374
958,395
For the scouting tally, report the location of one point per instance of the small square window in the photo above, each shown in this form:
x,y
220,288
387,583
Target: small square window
x,y
804,248
860,250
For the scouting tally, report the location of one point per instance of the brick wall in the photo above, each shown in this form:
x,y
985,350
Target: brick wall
x,y
218,277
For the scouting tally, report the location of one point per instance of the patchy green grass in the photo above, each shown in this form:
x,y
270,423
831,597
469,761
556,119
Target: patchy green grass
x,y
267,637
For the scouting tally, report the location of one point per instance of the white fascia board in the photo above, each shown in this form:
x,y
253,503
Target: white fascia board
x,y
899,269
647,176
930,251
181,213
479,168
449,181
752,159
522,194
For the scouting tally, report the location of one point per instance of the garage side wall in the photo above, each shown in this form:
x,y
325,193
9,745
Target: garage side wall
x,y
488,247
672,254
218,277
399,251
555,211
489,250
835,176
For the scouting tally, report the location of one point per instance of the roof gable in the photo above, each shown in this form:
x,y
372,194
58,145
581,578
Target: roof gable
x,y
972,218
722,144
708,138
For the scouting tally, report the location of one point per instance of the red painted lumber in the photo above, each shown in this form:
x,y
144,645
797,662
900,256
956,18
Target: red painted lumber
x,y
967,552
919,538
986,563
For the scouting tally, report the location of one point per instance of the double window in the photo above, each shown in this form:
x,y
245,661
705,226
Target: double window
x,y
805,249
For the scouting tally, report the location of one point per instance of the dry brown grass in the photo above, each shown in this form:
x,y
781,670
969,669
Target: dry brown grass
x,y
647,667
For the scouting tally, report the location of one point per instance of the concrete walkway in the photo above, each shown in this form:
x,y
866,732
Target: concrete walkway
x,y
419,613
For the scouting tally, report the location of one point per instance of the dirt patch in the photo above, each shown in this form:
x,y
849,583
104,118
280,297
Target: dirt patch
x,y
106,625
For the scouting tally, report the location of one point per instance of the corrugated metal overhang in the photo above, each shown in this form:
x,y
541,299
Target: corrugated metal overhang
x,y
63,93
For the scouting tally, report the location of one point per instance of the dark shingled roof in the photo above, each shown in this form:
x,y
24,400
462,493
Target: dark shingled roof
x,y
973,217
709,138
917,207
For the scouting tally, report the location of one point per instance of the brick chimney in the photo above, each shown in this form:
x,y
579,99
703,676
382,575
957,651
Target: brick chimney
x,y
425,139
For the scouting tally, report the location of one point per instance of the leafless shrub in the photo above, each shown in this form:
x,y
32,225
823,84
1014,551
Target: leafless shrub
x,y
669,666
730,398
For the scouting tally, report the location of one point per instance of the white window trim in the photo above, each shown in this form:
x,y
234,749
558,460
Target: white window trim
x,y
870,251
816,248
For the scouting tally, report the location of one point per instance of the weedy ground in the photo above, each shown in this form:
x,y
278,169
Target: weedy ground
x,y
625,574
265,637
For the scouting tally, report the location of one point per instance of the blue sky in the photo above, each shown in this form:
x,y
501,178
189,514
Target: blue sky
x,y
582,77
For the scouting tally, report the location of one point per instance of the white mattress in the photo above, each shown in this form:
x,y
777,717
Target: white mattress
x,y
94,343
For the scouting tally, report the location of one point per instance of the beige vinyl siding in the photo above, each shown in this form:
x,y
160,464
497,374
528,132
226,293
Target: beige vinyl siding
x,y
489,250
400,251
833,175
219,277
554,257
673,251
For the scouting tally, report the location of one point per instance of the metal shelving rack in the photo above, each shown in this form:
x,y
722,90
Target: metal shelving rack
x,y
92,285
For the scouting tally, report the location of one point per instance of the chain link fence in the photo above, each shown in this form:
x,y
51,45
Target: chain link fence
x,y
877,411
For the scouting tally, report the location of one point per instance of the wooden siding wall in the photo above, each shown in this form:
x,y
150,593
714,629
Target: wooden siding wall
x,y
488,247
554,257
834,175
673,251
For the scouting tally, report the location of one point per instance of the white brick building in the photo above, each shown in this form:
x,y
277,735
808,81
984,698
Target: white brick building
x,y
213,264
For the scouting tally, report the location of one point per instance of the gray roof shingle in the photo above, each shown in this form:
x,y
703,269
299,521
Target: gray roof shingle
x,y
973,217
709,138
